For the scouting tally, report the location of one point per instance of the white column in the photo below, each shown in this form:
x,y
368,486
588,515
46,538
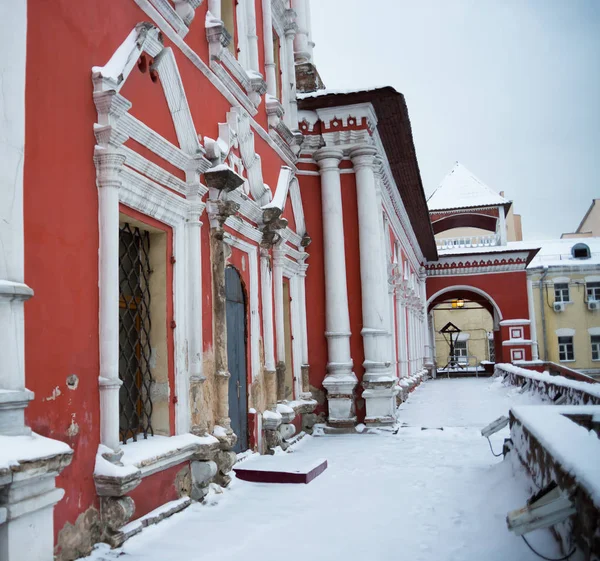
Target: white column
x,y
502,225
108,170
533,324
340,380
378,380
270,70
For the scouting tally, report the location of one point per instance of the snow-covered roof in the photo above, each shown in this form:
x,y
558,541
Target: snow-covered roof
x,y
320,93
558,252
551,253
462,189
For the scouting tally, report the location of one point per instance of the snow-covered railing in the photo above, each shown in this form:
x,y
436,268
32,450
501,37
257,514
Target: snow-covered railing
x,y
556,445
468,241
558,389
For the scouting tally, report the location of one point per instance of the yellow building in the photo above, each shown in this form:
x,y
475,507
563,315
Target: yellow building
x,y
590,224
564,288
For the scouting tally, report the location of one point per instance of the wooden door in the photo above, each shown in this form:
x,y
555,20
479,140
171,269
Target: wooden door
x,y
236,356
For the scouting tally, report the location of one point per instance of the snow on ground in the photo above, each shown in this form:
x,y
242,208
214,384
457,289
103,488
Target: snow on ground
x,y
419,495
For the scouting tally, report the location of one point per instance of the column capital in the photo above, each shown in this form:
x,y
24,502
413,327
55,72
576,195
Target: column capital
x,y
328,158
364,156
109,164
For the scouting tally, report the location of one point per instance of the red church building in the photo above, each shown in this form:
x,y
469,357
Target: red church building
x,y
203,251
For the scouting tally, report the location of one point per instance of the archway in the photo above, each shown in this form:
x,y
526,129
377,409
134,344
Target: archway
x,y
475,319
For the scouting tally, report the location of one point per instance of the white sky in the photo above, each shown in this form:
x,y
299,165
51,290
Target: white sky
x,y
510,88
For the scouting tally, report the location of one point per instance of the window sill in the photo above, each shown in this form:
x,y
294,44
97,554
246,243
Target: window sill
x,y
157,453
146,457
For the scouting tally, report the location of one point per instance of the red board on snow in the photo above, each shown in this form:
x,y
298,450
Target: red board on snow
x,y
280,469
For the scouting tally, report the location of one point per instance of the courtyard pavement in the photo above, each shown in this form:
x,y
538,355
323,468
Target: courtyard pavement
x,y
422,494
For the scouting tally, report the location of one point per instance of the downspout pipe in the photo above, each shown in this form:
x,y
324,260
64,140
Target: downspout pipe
x,y
543,313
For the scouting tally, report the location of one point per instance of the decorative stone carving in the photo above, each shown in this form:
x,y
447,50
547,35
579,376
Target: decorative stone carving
x,y
223,178
286,431
115,512
116,486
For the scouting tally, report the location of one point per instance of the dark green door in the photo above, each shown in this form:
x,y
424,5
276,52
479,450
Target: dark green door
x,y
236,356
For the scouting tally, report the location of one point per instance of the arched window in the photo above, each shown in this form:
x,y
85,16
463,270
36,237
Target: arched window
x,y
580,251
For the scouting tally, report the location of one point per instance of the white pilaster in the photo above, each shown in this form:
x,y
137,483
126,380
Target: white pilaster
x,y
306,394
266,282
214,7
340,380
302,48
532,319
291,113
252,35
278,256
378,380
13,290
108,169
193,309
270,74
27,483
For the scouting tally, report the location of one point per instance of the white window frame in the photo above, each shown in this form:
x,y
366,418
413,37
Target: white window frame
x,y
458,351
595,346
592,292
559,292
563,348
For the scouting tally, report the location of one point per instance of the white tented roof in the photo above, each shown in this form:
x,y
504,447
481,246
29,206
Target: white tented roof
x,y
462,189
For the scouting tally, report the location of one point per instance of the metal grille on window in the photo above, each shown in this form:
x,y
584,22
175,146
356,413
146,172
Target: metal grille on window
x,y
135,402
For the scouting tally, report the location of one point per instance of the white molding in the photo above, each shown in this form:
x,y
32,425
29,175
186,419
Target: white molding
x,y
252,161
517,342
195,59
565,332
142,133
226,78
143,195
515,322
592,278
560,280
172,84
244,228
251,251
594,330
293,237
171,16
151,199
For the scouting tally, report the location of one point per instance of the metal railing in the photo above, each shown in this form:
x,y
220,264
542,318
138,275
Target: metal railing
x,y
468,241
460,365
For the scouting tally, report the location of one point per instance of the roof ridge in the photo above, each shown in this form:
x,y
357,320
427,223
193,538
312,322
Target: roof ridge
x,y
461,188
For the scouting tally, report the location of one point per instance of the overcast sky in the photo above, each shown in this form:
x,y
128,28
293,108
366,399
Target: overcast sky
x,y
510,88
